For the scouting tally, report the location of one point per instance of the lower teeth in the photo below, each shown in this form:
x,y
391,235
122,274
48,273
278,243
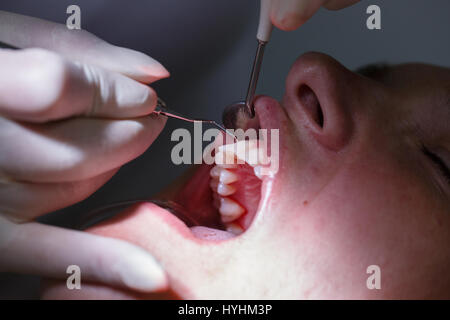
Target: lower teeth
x,y
235,228
230,210
225,189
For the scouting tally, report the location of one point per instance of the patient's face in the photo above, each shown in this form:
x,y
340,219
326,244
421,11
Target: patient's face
x,y
362,181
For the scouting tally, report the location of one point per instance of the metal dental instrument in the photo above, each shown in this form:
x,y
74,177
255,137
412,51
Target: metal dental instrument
x,y
242,110
161,109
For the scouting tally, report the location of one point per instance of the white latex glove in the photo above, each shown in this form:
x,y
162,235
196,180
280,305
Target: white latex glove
x,y
95,92
288,15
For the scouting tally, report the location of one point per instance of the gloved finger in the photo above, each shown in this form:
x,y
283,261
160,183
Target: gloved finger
x,y
72,150
26,201
78,45
187,260
339,4
38,86
288,15
33,248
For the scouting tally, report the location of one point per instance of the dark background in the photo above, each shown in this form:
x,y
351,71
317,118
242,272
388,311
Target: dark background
x,y
208,46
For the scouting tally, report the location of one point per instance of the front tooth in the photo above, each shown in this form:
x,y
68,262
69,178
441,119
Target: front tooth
x,y
225,189
215,172
224,158
227,177
246,151
257,172
235,228
230,210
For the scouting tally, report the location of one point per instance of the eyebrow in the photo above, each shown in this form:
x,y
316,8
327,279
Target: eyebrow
x,y
374,70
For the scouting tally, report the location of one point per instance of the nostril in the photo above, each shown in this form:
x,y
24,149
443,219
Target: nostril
x,y
311,104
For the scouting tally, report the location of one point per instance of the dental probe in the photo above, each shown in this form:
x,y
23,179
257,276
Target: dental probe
x,y
161,109
233,111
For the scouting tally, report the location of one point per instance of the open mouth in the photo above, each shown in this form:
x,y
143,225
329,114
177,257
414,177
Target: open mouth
x,y
222,200
218,201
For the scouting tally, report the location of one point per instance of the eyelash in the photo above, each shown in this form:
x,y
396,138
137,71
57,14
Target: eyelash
x,y
438,162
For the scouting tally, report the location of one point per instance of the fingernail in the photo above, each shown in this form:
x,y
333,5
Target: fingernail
x,y
140,66
155,68
288,15
132,95
143,273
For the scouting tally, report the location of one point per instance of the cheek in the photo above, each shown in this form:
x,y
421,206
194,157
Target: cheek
x,y
372,214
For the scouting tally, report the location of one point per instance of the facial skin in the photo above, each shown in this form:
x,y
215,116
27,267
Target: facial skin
x,y
357,186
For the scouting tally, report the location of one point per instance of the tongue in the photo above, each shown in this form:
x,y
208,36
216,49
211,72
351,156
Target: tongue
x,y
211,234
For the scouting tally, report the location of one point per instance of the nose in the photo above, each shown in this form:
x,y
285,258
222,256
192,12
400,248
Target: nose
x,y
320,95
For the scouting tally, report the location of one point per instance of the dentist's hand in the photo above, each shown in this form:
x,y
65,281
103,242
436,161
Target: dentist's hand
x,y
71,113
288,15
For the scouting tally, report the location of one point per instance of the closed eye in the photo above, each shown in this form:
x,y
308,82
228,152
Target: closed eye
x,y
438,163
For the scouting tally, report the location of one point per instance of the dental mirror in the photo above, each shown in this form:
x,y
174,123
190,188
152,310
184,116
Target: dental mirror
x,y
237,116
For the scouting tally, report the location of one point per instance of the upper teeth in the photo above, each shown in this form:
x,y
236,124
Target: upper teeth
x,y
215,172
230,209
223,176
225,189
245,151
226,176
257,171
